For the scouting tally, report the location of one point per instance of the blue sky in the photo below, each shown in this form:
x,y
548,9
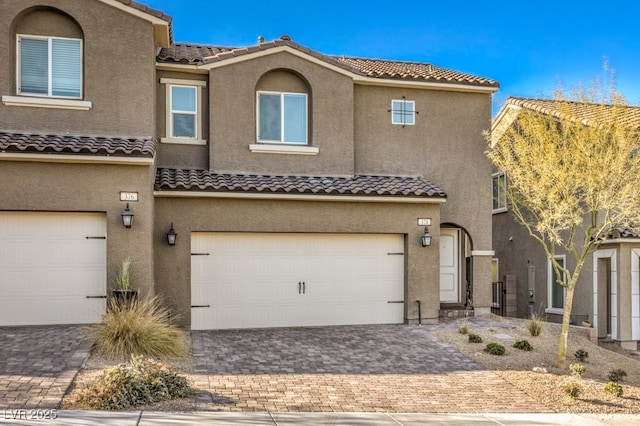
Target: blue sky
x,y
529,47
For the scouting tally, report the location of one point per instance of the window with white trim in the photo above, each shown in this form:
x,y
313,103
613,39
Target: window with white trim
x,y
403,112
282,117
49,66
499,184
184,115
555,291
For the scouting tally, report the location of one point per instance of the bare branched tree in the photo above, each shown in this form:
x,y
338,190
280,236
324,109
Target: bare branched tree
x,y
573,174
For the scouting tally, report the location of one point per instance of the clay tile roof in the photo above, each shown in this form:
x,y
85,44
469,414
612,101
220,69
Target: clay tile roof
x,y
360,185
373,68
68,144
188,53
586,113
397,70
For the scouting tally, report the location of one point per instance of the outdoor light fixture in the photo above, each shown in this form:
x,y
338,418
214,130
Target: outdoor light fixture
x,y
127,217
426,238
172,236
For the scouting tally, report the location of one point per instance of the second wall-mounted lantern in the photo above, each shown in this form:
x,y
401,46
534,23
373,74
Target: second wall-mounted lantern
x,y
425,239
127,217
172,235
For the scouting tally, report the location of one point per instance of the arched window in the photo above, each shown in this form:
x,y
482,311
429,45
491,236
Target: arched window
x,y
282,109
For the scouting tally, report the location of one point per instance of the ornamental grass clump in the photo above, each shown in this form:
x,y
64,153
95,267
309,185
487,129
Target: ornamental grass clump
x,y
139,382
141,327
534,325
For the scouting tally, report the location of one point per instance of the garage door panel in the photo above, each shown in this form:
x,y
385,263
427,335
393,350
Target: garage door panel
x,y
278,280
51,267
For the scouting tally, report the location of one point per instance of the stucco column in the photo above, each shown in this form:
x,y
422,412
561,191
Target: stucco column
x,y
482,281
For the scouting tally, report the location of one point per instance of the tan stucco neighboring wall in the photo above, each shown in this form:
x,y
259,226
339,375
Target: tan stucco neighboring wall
x,y
233,117
118,68
173,272
59,187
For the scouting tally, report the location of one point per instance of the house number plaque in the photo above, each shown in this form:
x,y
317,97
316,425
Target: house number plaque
x,y
128,196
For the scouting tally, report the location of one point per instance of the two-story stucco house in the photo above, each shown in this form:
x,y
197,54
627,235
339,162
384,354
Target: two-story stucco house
x,y
608,291
300,185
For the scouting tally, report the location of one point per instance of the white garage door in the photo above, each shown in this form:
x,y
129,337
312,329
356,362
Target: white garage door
x,y
243,280
52,267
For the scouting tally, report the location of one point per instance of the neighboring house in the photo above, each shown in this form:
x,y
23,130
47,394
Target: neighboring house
x,y
608,291
298,183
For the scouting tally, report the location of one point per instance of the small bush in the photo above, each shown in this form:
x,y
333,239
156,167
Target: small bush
x,y
577,370
523,345
581,355
572,389
474,338
134,384
617,375
141,327
494,349
463,329
613,388
534,325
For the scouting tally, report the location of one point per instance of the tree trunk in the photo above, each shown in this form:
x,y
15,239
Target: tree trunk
x,y
561,359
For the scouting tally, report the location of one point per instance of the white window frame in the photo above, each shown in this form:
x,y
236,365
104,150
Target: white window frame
x,y
501,196
49,39
282,118
404,114
198,86
550,283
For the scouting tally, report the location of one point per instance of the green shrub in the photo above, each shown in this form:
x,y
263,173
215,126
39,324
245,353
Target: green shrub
x,y
523,345
139,382
141,327
613,388
494,349
581,355
617,375
572,389
577,370
534,325
474,338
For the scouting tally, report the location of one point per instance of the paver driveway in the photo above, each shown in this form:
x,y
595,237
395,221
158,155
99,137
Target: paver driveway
x,y
37,364
392,368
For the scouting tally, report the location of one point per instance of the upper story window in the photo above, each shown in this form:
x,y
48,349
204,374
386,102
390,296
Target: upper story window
x,y
403,112
499,184
184,111
282,117
49,66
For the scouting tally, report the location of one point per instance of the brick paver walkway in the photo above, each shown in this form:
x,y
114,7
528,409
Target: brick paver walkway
x,y
37,364
392,368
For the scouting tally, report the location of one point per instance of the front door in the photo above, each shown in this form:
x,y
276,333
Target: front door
x,y
449,265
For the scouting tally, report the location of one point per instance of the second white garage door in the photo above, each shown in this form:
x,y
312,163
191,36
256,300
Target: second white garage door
x,y
244,280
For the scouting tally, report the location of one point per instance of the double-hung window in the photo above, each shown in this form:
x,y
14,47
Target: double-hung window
x,y
184,115
403,112
282,118
556,292
49,66
499,184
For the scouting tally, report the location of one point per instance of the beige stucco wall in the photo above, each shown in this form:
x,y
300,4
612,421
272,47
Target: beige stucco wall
x,y
233,117
188,215
59,187
118,68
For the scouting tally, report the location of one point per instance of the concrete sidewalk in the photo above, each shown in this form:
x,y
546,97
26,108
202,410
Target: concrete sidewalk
x,y
139,418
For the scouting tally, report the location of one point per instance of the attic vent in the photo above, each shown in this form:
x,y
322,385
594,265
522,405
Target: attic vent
x,y
285,37
260,39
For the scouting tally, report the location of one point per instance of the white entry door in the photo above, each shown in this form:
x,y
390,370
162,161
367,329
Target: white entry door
x,y
249,280
449,265
52,268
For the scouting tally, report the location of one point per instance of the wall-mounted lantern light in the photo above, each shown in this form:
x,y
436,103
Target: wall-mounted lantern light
x,y
172,236
426,238
127,217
